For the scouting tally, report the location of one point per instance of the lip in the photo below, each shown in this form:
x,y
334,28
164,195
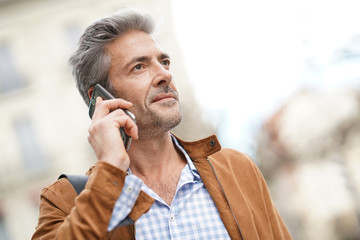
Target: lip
x,y
164,96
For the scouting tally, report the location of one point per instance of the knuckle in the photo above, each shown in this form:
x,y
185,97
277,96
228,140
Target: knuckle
x,y
119,112
90,130
102,104
94,127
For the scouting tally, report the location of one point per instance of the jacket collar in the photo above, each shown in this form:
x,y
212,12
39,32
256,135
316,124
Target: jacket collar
x,y
201,148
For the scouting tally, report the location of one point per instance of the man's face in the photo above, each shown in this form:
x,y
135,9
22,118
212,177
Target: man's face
x,y
139,73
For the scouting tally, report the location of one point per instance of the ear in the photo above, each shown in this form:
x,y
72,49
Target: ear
x,y
90,91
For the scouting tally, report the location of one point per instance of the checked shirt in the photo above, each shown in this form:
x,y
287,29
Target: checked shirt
x,y
191,215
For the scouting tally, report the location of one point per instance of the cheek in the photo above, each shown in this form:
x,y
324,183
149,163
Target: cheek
x,y
136,96
135,89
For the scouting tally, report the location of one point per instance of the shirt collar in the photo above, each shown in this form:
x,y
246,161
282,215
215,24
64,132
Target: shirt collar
x,y
191,165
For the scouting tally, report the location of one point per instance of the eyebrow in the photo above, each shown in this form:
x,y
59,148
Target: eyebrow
x,y
164,55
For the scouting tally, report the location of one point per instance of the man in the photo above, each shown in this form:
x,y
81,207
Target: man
x,y
162,187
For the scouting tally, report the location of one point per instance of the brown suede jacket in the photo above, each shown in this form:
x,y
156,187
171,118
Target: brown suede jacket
x,y
232,179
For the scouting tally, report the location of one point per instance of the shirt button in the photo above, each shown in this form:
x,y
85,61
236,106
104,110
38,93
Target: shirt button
x,y
172,218
129,189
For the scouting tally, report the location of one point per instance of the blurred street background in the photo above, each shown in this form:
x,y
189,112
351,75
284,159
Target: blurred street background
x,y
279,80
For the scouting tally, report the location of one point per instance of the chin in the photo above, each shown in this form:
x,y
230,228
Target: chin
x,y
159,122
170,120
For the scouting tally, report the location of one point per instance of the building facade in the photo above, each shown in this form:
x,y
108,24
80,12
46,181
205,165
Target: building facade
x,y
44,120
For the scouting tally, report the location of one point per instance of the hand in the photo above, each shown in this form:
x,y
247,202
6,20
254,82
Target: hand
x,y
104,133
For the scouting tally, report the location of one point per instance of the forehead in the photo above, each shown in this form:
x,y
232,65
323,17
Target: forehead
x,y
131,44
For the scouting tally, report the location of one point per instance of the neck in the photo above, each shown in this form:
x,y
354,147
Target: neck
x,y
155,157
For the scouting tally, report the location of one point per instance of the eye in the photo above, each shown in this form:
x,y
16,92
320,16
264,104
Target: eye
x,y
165,62
138,67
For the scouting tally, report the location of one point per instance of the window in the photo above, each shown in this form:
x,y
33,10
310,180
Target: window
x,y
10,79
31,152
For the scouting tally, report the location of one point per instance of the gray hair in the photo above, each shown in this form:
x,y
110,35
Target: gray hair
x,y
90,63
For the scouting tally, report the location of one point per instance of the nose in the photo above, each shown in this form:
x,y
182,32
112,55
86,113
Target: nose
x,y
162,75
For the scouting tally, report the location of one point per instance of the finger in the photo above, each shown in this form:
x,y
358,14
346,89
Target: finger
x,y
130,127
104,107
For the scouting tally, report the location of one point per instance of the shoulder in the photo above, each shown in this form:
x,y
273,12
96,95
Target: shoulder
x,y
232,161
232,157
231,165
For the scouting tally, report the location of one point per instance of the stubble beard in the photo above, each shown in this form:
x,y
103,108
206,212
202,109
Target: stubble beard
x,y
154,122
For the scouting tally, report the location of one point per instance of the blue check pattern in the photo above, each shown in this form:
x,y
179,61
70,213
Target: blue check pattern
x,y
192,214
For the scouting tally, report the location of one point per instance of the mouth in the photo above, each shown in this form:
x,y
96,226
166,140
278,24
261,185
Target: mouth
x,y
164,97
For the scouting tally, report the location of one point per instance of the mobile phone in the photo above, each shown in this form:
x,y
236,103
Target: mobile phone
x,y
100,91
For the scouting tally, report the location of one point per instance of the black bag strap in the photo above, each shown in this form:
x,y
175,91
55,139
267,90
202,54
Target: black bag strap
x,y
77,181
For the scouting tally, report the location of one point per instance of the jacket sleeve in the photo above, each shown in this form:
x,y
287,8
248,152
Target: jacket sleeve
x,y
64,215
278,227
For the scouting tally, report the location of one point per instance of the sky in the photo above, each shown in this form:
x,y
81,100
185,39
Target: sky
x,y
246,58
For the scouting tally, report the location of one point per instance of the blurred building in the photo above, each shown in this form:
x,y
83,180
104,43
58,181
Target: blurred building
x,y
309,152
43,120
